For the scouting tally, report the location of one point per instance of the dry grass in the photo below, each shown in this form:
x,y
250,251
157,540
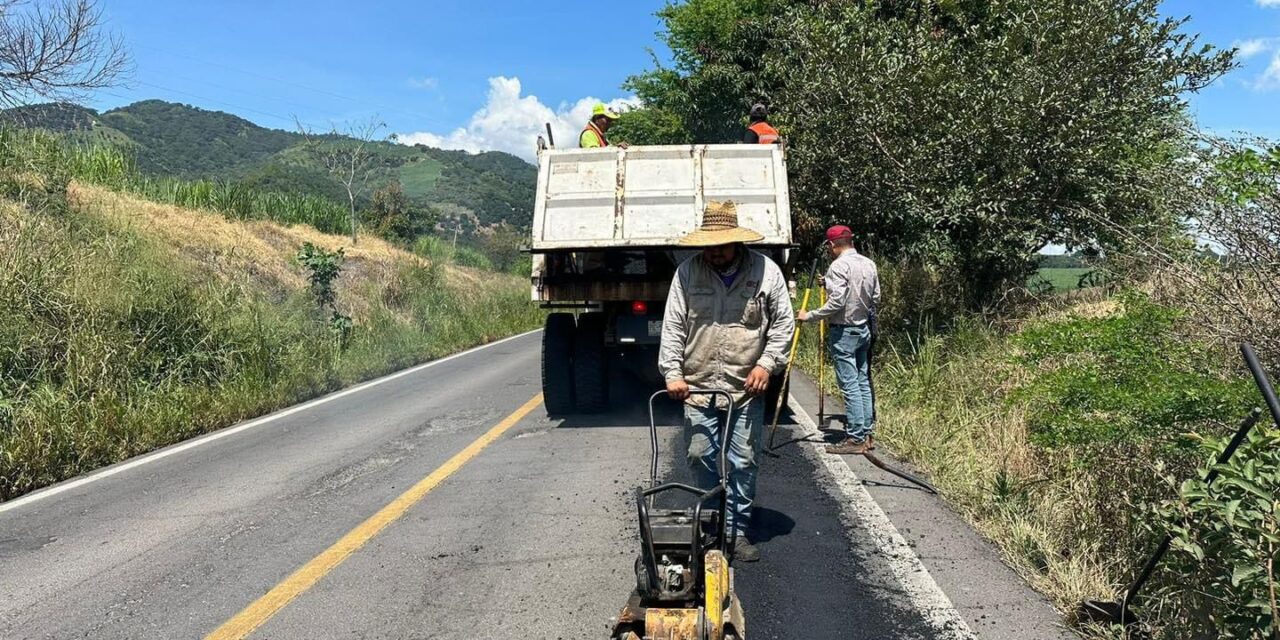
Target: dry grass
x,y
945,404
127,325
948,415
260,254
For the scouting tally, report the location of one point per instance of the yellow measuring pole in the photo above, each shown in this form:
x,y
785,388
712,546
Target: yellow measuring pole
x,y
822,358
786,376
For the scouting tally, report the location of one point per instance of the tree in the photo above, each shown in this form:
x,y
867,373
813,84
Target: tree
x,y
960,133
347,154
718,71
502,246
651,125
55,51
1225,270
394,216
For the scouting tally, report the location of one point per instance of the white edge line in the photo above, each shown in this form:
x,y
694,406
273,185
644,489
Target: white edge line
x,y
860,511
227,431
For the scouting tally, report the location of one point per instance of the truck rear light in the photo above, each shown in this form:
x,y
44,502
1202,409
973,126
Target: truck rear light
x,y
639,307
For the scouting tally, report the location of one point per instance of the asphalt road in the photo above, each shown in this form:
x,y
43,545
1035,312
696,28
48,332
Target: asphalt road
x,y
443,503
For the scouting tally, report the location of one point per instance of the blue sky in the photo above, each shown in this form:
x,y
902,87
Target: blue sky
x,y
485,75
1248,99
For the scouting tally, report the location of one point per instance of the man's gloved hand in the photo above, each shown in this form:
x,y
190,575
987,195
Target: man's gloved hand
x,y
757,381
678,390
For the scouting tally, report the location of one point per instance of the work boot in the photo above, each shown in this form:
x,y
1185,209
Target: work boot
x,y
744,551
849,447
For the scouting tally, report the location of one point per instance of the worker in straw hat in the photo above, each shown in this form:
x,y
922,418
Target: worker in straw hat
x,y
727,327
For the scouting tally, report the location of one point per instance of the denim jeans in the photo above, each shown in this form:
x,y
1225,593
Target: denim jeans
x,y
745,445
850,347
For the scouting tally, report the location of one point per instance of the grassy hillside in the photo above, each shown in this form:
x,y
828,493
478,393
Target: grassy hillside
x,y
181,141
127,325
174,139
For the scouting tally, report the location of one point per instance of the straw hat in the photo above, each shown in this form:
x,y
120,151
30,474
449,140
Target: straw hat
x,y
719,226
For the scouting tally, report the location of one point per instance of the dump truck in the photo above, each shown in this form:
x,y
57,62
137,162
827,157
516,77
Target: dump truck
x,y
604,243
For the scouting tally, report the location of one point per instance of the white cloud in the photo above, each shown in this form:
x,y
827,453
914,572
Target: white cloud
x,y
512,122
424,83
1249,48
1269,3
1270,79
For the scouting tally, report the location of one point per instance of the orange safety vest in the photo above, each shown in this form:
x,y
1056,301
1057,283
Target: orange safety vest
x,y
591,126
765,131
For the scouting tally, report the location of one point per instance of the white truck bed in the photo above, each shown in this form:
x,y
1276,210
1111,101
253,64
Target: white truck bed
x,y
651,196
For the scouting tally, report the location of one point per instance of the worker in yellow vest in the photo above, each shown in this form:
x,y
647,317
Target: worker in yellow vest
x,y
760,131
593,136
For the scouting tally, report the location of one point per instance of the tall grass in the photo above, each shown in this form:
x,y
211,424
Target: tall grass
x,y
435,248
114,167
113,343
1056,435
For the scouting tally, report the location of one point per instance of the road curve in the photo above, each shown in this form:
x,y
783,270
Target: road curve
x,y
428,505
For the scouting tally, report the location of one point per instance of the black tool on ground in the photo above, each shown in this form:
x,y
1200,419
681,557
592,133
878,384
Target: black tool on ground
x,y
1121,612
871,457
684,584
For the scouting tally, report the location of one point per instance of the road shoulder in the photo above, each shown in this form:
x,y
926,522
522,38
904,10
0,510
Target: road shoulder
x,y
994,601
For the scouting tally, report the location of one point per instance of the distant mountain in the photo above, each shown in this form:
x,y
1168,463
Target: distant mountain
x,y
185,141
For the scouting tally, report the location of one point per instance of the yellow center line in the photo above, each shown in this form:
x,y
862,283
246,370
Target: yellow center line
x,y
262,609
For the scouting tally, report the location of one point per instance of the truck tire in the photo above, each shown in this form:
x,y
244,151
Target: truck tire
x,y
557,363
591,364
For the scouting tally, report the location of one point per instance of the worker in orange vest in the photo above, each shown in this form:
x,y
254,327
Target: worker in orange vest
x,y
760,131
592,136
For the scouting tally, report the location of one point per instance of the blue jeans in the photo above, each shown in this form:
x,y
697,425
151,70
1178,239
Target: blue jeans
x,y
850,347
745,446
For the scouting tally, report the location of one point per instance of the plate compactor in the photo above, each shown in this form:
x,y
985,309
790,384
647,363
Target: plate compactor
x,y
684,584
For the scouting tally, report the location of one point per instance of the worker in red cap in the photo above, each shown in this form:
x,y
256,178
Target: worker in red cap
x,y
853,293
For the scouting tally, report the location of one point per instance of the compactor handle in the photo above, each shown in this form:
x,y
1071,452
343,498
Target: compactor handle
x,y
722,466
724,433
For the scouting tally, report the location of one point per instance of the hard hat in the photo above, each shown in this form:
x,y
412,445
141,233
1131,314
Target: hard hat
x,y
601,110
758,110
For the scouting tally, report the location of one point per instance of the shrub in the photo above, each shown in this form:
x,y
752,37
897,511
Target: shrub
x,y
1127,377
1227,543
323,268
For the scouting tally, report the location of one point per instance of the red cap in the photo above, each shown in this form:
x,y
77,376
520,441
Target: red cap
x,y
839,232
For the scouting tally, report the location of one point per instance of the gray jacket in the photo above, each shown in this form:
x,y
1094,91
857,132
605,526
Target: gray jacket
x,y
713,336
853,290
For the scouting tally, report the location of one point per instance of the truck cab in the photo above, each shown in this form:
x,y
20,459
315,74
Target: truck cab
x,y
605,230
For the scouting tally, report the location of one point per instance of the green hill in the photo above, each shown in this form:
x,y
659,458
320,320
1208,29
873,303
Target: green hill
x,y
170,139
